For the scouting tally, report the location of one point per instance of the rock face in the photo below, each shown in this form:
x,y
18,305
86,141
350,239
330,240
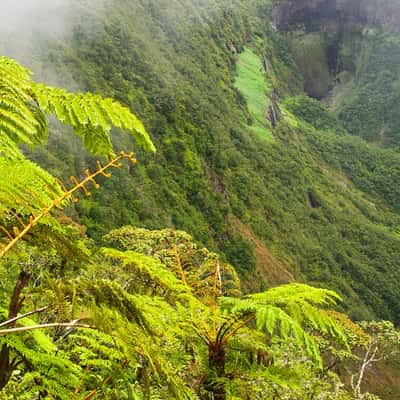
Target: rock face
x,y
292,11
383,13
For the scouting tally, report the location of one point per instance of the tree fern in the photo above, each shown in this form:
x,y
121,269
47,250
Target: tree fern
x,y
196,267
207,317
292,310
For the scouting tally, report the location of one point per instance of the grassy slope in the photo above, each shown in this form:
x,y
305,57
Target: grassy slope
x,y
251,82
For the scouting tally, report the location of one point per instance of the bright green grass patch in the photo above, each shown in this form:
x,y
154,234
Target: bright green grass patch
x,y
252,83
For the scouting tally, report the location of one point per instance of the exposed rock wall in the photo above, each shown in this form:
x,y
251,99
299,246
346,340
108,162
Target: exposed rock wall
x,y
384,13
291,11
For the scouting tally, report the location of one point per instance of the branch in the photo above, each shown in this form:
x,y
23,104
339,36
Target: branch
x,y
44,326
368,359
12,320
90,178
16,301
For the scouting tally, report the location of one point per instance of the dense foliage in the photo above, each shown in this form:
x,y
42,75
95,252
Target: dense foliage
x,y
270,180
274,209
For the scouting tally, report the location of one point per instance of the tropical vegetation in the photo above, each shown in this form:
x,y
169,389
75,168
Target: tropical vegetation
x,y
254,255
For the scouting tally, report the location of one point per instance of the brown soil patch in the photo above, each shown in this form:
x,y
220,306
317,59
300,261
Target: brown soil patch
x,y
383,380
269,270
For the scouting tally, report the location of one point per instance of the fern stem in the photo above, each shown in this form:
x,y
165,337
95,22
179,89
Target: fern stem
x,y
66,195
180,269
12,320
44,326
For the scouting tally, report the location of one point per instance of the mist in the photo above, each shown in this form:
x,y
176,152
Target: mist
x,y
24,17
29,28
27,23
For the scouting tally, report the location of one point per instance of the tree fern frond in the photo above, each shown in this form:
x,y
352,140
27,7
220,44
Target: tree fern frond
x,y
297,292
291,311
20,118
17,75
154,269
92,116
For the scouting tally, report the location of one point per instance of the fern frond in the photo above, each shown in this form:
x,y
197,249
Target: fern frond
x,y
155,270
161,367
20,119
53,372
91,117
297,292
196,267
24,104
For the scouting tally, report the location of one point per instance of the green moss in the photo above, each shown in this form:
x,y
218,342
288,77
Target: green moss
x,y
251,82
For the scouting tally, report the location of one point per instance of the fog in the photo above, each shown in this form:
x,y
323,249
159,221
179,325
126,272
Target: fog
x,y
25,17
25,23
29,27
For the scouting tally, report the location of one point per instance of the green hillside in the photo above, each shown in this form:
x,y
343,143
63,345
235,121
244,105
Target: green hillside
x,y
311,197
251,82
206,114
